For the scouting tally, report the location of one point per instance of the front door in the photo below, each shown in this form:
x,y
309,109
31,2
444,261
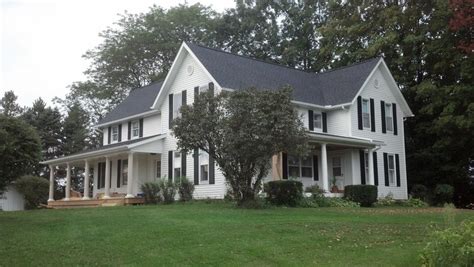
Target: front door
x,y
337,172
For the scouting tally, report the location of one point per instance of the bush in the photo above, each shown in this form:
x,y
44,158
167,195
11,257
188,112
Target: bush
x,y
314,189
366,195
387,201
287,193
34,189
451,247
257,203
419,191
185,189
168,191
443,193
152,192
414,203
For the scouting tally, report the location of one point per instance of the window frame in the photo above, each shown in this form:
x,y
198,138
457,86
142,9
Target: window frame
x,y
300,166
176,165
203,161
388,117
157,169
133,129
114,136
392,172
338,166
316,122
177,97
364,114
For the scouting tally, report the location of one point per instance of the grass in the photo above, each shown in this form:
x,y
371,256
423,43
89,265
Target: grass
x,y
219,234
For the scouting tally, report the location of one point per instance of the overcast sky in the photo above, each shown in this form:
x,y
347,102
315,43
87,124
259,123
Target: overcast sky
x,y
42,41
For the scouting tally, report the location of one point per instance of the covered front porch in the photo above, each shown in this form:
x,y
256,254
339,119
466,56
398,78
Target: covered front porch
x,y
334,162
112,174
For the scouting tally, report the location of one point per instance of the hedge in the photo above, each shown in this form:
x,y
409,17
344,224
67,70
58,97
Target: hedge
x,y
284,192
366,195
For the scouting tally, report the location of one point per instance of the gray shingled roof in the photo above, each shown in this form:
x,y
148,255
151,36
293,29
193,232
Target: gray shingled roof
x,y
333,87
138,101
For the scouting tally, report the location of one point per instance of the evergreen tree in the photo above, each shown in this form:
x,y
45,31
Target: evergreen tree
x,y
10,107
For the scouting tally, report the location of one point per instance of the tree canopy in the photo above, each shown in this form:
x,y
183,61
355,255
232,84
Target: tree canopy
x,y
241,130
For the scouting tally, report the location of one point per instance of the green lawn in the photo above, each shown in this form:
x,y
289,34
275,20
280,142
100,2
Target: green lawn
x,y
218,234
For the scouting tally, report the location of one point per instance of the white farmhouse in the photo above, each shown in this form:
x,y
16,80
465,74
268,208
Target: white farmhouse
x,y
354,117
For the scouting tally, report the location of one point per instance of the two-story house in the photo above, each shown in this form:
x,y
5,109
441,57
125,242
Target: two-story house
x,y
354,116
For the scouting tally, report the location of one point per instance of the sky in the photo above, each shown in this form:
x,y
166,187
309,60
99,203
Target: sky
x,y
42,41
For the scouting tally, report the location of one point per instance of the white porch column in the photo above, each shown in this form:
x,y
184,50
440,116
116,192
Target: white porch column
x,y
86,180
324,167
51,183
130,176
68,181
107,178
371,167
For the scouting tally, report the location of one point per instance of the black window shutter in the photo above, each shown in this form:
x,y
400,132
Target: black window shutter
x,y
129,133
397,166
310,120
395,130
184,97
362,166
211,88
325,122
119,172
141,128
170,165
196,166
382,112
170,114
212,170
102,182
196,91
99,174
284,168
372,115
315,168
109,132
120,133
183,164
359,112
376,169
385,168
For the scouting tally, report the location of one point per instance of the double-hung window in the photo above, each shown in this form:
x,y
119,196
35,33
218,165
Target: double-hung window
x,y
204,166
388,117
124,172
115,133
135,129
318,120
177,165
300,167
366,164
177,103
391,169
336,166
158,168
365,113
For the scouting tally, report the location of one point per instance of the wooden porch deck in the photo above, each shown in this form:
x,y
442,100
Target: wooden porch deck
x,y
91,203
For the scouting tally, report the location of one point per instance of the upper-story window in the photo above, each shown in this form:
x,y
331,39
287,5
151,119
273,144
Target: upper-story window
x,y
115,133
135,129
177,103
391,169
388,117
365,113
318,120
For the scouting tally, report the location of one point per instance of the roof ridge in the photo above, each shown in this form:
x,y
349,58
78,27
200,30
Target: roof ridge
x,y
281,65
150,84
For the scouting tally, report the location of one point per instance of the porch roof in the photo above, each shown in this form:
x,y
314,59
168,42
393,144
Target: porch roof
x,y
132,145
344,140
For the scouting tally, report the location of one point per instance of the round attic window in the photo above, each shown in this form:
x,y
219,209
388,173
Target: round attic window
x,y
376,83
190,70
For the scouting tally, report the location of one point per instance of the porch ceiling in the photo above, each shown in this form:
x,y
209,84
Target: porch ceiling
x,y
336,142
150,144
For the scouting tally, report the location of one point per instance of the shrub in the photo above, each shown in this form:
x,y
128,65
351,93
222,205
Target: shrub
x,y
451,247
185,189
443,193
287,193
419,191
34,189
319,200
387,201
314,189
257,203
151,192
414,203
308,202
366,195
168,191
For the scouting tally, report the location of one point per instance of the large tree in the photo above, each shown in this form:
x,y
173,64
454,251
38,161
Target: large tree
x,y
10,107
20,149
242,130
